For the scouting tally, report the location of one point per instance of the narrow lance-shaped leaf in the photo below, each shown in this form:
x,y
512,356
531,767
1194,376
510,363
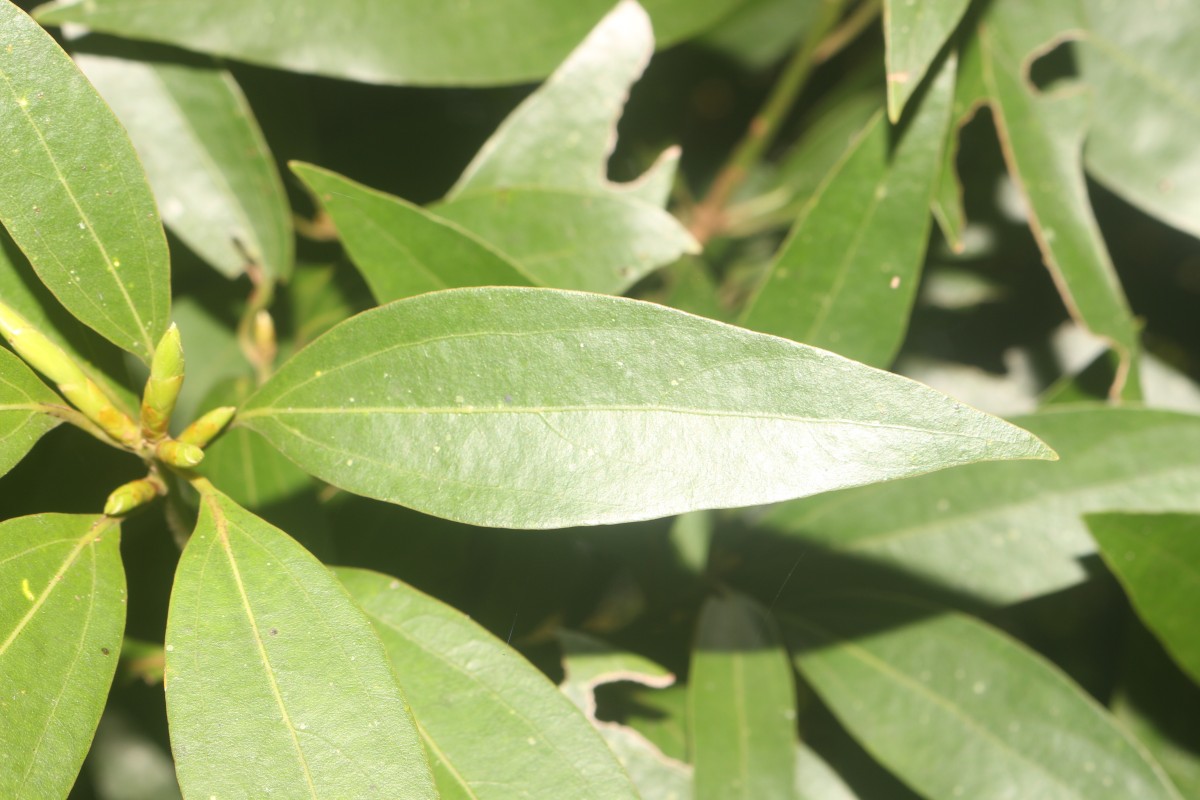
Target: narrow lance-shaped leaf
x,y
1156,557
741,705
207,161
846,277
62,615
400,249
634,410
1008,532
275,682
76,200
957,709
23,419
914,32
460,680
538,187
401,41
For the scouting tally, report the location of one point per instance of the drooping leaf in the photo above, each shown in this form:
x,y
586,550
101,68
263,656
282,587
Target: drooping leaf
x,y
77,202
589,663
400,249
461,681
402,41
1141,69
22,419
538,188
1008,532
275,682
61,621
741,704
210,168
635,411
955,708
847,275
914,32
1156,557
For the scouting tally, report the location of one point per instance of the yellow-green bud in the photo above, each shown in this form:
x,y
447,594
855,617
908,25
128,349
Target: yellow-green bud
x,y
162,388
127,497
205,429
178,454
50,360
264,336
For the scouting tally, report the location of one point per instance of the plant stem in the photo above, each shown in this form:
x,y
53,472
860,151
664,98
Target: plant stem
x,y
260,297
708,218
848,31
76,418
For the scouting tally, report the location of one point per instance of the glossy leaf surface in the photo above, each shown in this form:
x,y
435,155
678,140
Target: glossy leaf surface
x,y
957,709
741,704
847,275
207,161
400,249
914,31
538,188
1156,557
404,41
461,681
61,621
82,210
636,411
22,420
1009,532
276,683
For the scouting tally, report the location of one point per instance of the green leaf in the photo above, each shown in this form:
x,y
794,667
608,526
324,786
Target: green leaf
x,y
23,419
538,187
461,681
914,32
760,32
589,663
816,780
276,683
1008,532
956,709
401,41
1042,138
1141,68
81,208
741,704
210,168
1156,557
635,411
61,620
847,275
400,249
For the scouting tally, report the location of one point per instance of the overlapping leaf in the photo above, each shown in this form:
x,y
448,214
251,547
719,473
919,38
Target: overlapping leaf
x,y
956,709
914,31
23,419
275,682
635,411
212,174
462,682
76,200
61,620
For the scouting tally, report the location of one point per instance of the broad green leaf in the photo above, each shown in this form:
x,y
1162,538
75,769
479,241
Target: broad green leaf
x,y
1008,532
589,663
62,614
955,708
847,275
741,704
634,410
914,32
23,419
78,204
210,168
1141,68
400,249
401,41
538,187
1156,557
276,683
463,682
1042,137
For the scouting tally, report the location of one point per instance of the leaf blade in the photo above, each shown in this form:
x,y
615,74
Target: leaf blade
x,y
913,35
22,421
